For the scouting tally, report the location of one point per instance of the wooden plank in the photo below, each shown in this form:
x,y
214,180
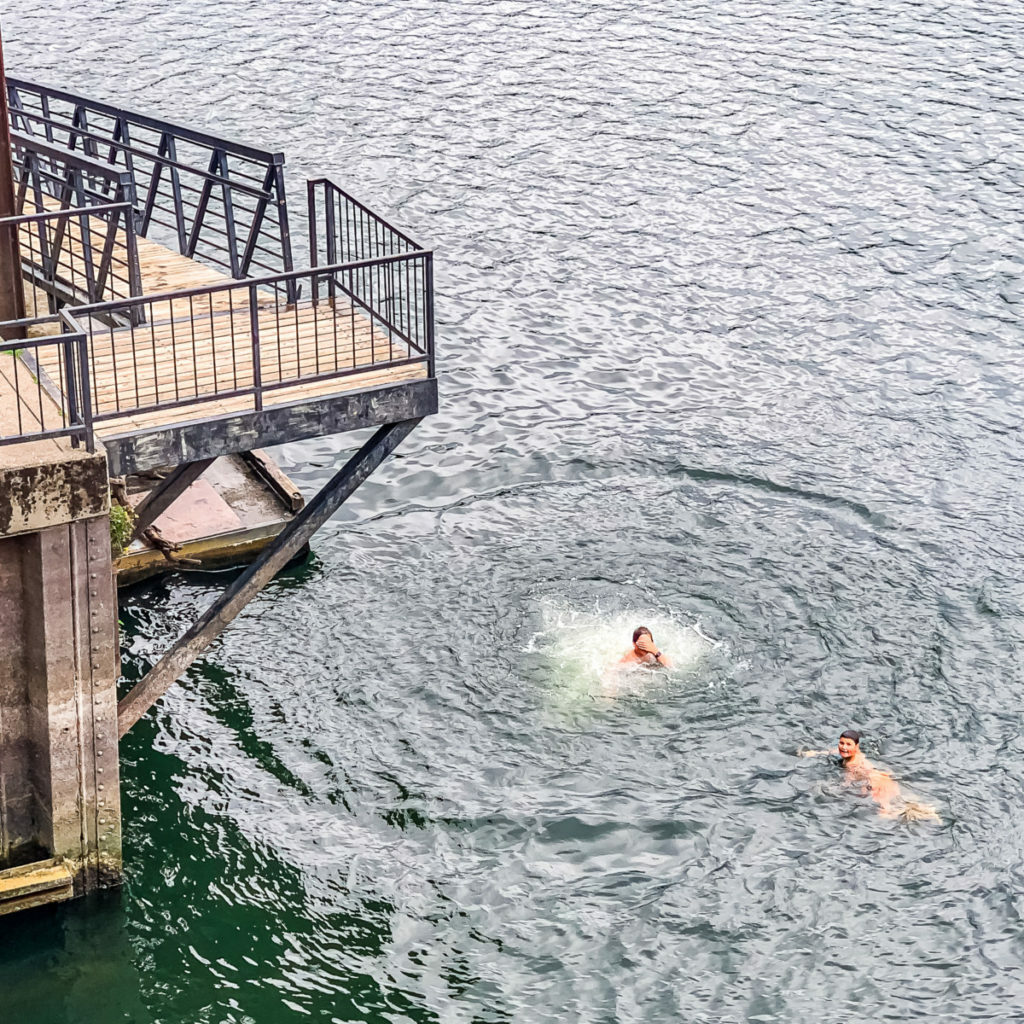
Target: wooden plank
x,y
122,378
165,494
205,376
270,472
33,884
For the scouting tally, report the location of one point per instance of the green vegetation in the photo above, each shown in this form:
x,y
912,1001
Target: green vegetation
x,y
121,522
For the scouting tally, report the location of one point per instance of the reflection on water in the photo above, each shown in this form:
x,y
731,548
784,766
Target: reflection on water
x,y
729,340
72,963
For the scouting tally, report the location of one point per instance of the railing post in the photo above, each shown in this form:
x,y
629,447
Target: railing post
x,y
311,220
292,287
331,237
257,369
138,311
71,375
428,309
12,294
83,364
313,246
229,214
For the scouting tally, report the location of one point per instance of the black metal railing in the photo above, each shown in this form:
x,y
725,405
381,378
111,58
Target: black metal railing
x,y
218,201
343,230
247,339
76,256
50,177
44,384
91,177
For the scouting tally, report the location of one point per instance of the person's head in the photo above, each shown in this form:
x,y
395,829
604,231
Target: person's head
x,y
849,744
639,632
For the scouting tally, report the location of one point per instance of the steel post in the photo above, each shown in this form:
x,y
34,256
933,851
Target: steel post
x,y
12,292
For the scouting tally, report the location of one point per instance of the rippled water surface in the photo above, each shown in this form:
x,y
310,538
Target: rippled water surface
x,y
729,331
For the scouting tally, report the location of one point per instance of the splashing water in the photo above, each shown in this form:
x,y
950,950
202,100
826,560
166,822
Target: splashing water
x,y
583,648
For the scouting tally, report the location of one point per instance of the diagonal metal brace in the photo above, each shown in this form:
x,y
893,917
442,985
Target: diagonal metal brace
x,y
165,494
288,543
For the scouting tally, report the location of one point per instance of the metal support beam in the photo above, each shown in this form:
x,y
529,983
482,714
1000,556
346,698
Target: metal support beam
x,y
165,494
12,294
289,542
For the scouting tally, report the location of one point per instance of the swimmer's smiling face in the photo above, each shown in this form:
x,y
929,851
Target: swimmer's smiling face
x,y
847,748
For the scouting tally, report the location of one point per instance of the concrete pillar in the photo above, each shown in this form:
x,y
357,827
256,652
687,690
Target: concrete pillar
x,y
59,664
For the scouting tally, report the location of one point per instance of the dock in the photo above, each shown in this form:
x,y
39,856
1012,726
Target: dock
x,y
166,334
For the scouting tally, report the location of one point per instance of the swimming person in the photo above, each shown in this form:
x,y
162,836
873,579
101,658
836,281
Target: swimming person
x,y
879,785
644,651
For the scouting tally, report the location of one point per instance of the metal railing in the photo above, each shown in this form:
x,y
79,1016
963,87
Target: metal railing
x,y
247,339
77,255
44,385
343,230
364,307
218,201
49,176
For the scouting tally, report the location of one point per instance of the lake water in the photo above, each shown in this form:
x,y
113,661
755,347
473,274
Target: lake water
x,y
729,335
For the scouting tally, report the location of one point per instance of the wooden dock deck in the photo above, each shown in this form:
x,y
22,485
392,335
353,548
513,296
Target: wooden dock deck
x,y
147,372
177,274
193,357
160,269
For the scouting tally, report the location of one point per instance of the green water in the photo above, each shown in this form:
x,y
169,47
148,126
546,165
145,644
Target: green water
x,y
729,345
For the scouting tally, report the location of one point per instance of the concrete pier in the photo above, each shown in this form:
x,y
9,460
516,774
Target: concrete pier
x,y
59,802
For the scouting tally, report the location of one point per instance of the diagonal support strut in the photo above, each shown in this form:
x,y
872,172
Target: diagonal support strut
x,y
288,543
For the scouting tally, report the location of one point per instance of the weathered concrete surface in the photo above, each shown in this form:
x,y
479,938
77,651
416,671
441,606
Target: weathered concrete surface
x,y
58,671
46,483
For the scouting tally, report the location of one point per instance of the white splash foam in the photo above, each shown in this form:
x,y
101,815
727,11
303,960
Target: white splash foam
x,y
585,645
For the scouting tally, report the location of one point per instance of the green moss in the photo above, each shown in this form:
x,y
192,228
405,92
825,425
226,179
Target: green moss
x,y
121,522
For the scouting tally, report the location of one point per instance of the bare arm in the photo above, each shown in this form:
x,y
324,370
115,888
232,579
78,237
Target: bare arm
x,y
816,753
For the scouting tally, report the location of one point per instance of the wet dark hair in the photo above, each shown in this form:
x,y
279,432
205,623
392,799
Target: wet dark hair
x,y
639,630
851,734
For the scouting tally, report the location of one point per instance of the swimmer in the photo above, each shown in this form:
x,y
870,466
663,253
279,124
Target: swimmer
x,y
879,785
644,651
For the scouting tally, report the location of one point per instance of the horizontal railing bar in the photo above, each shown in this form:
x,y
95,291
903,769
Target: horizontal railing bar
x,y
155,123
32,321
72,259
241,186
57,182
71,157
59,174
49,339
71,211
291,275
137,147
312,183
72,430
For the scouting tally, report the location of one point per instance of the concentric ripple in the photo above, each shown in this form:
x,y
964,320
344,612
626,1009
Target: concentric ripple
x,y
730,342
